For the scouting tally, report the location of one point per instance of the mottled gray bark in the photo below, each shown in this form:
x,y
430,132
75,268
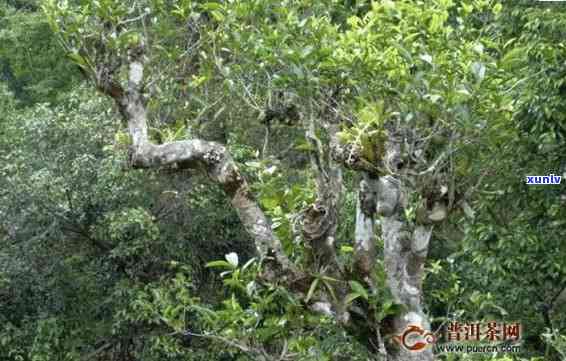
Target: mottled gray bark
x,y
320,222
405,250
364,240
364,248
211,157
321,218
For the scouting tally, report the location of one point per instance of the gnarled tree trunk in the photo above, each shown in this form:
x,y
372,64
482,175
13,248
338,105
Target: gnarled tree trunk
x,y
405,250
406,245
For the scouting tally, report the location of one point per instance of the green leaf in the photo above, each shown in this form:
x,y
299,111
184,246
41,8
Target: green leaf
x,y
270,203
312,288
359,289
404,53
305,146
217,15
513,58
211,6
330,289
79,60
346,249
219,264
351,297
248,263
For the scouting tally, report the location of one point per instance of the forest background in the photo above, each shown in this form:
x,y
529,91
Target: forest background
x,y
279,180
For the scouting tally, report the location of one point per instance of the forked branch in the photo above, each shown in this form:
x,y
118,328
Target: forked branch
x,y
211,157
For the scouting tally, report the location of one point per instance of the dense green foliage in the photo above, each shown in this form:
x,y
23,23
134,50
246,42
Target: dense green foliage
x,y
102,262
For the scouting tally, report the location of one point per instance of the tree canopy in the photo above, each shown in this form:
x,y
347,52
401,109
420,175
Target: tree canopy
x,y
282,180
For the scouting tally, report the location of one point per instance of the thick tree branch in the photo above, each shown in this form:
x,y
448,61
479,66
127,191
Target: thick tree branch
x,y
405,251
212,157
364,241
321,218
